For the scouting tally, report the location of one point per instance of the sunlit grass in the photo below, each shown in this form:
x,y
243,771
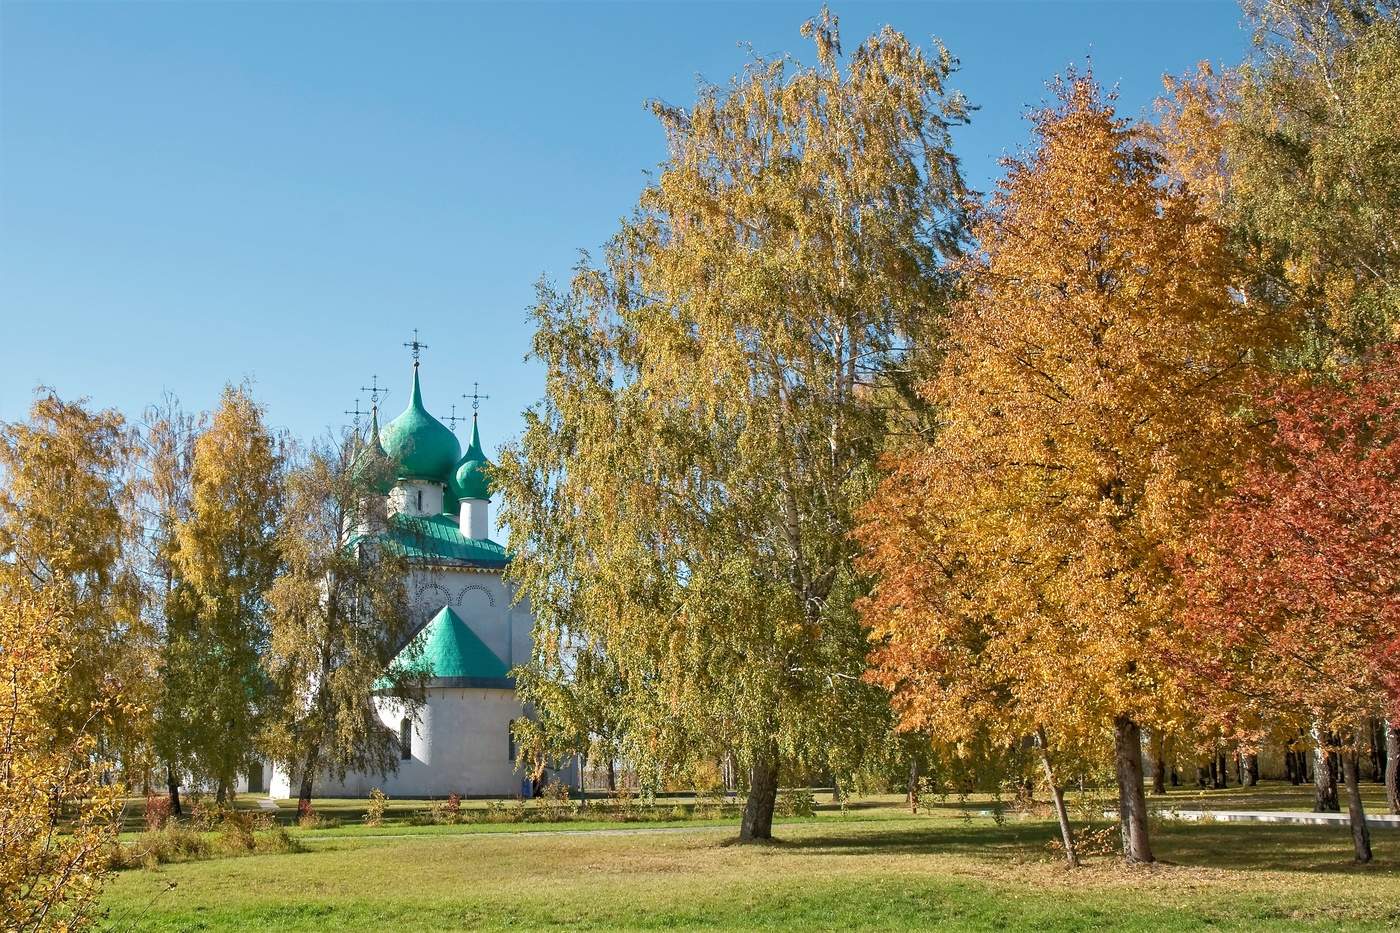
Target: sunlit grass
x,y
874,865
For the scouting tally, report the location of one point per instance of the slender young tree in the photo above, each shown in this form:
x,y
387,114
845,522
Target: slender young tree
x,y
682,497
1086,400
339,616
226,557
163,502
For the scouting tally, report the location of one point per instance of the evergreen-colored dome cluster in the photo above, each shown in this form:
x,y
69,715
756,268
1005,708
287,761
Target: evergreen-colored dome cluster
x,y
423,447
417,446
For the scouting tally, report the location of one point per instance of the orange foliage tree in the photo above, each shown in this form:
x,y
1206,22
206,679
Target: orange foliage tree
x,y
1087,399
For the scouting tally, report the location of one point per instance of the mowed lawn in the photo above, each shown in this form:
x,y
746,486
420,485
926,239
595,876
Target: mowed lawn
x,y
866,869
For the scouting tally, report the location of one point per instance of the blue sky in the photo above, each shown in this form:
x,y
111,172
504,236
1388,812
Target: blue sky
x,y
193,193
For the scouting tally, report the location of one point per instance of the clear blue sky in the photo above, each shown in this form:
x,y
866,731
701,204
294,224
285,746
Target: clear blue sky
x,y
193,193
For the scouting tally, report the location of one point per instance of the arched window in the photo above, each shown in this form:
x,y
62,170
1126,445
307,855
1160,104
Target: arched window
x,y
406,739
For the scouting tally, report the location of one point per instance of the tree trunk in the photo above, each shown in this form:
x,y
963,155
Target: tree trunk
x,y
1378,750
1250,772
612,774
221,791
1159,763
1127,756
1324,775
912,798
1203,776
1392,767
172,786
1058,793
1360,834
763,797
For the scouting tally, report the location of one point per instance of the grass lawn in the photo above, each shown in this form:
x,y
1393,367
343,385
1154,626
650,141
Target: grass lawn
x,y
876,866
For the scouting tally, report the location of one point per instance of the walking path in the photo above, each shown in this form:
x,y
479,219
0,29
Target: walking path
x,y
1292,817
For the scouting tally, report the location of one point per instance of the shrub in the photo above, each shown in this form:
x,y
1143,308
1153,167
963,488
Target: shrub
x,y
206,815
157,811
378,801
796,801
623,805
171,843
554,802
239,834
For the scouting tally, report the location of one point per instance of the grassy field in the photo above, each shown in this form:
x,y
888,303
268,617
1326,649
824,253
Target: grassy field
x,y
875,866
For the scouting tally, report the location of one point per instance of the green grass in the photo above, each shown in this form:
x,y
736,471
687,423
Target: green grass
x,y
875,867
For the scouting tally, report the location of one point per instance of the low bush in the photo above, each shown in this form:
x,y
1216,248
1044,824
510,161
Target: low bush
x,y
238,834
157,811
378,802
796,801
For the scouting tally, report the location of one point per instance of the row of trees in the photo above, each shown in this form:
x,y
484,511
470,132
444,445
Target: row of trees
x,y
832,451
178,602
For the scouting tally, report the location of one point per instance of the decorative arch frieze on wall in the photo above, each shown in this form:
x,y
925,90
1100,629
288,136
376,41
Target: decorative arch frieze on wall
x,y
428,598
462,596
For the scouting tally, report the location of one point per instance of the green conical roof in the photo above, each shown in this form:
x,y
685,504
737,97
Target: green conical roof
x,y
451,650
422,446
371,462
469,480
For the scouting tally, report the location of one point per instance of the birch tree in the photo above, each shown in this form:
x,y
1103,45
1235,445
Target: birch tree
x,y
682,497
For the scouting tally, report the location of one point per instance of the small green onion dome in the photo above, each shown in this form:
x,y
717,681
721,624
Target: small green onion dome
x,y
371,462
469,480
422,446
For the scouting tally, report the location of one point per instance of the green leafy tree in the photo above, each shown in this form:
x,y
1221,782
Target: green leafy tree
x,y
681,500
226,556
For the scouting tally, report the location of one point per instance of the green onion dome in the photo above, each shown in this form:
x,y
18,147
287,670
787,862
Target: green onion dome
x,y
371,463
469,480
421,445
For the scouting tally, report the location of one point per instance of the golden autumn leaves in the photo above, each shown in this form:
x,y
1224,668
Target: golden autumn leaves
x,y
1085,409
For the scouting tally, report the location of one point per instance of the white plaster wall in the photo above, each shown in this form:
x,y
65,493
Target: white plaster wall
x,y
475,517
403,498
461,745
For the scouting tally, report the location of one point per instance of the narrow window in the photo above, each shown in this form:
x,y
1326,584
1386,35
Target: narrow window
x,y
510,743
420,500
406,739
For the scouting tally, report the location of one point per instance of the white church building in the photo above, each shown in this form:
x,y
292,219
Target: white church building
x,y
468,626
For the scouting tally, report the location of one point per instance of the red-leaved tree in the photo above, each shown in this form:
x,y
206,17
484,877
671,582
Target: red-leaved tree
x,y
1292,596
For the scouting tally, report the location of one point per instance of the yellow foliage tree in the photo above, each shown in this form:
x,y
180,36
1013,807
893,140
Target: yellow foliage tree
x,y
67,525
1088,399
57,816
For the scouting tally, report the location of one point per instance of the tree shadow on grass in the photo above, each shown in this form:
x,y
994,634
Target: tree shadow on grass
x,y
1222,846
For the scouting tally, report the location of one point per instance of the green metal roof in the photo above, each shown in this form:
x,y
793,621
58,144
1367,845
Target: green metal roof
x,y
422,446
451,651
438,538
469,480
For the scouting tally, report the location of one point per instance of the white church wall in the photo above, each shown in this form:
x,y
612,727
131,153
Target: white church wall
x,y
482,600
460,745
475,517
416,497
